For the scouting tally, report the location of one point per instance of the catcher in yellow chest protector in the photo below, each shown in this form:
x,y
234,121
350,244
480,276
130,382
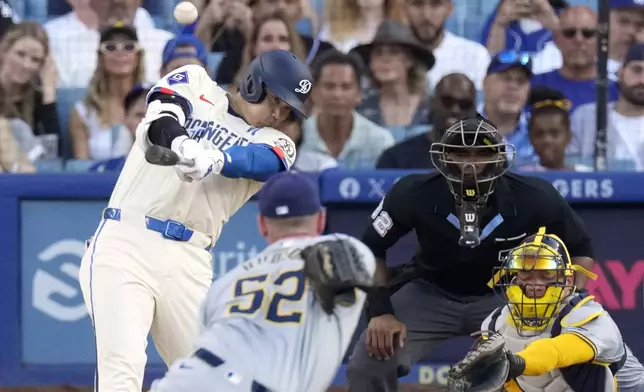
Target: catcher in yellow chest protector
x,y
549,337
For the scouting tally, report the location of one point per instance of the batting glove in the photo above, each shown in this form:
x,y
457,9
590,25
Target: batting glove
x,y
205,161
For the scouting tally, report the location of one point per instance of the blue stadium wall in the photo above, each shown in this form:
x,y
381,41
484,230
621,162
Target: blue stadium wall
x,y
44,219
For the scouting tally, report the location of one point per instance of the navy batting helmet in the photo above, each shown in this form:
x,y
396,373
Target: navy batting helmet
x,y
281,72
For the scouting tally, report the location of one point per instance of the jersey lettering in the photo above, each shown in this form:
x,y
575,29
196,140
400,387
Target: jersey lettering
x,y
249,301
220,137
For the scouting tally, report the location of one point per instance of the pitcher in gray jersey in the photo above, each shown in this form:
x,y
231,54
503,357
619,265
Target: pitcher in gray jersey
x,y
262,327
559,339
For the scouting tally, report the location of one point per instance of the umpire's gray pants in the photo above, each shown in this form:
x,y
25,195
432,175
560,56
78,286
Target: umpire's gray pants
x,y
431,316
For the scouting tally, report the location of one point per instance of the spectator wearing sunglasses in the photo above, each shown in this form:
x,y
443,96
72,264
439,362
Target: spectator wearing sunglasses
x,y
626,28
96,127
625,128
577,41
522,25
506,87
550,131
453,99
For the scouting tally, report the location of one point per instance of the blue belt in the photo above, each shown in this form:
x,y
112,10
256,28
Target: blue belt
x,y
214,361
169,229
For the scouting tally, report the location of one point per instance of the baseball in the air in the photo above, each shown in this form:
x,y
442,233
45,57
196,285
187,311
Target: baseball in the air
x,y
186,13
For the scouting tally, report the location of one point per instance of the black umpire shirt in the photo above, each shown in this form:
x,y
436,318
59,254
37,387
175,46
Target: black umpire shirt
x,y
516,209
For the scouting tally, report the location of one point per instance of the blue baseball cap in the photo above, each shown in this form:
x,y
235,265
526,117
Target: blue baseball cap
x,y
615,4
173,49
503,61
289,195
635,53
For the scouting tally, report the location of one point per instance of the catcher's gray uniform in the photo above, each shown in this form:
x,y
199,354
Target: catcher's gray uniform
x,y
590,321
263,328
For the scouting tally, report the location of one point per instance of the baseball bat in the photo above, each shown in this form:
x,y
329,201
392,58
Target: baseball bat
x,y
157,155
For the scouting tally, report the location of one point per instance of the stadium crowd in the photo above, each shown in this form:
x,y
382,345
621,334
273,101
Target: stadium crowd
x,y
390,76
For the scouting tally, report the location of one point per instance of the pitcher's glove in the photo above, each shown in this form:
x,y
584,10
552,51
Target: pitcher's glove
x,y
334,269
486,367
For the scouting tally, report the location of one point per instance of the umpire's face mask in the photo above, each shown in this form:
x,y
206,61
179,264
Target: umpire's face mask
x,y
471,155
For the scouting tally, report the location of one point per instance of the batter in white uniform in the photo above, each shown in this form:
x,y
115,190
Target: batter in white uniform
x,y
263,327
148,266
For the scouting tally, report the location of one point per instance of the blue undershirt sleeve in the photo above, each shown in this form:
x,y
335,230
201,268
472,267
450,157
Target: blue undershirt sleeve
x,y
255,162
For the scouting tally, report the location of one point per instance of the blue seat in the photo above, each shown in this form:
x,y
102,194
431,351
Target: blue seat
x,y
78,165
65,100
49,166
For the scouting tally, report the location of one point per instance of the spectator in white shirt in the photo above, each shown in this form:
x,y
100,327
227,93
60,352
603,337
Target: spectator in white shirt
x,y
337,130
453,54
75,48
354,22
86,15
96,127
625,128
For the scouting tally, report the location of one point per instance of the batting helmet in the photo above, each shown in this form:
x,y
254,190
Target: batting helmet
x,y
283,74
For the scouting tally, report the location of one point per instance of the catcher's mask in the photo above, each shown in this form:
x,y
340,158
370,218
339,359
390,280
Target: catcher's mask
x,y
471,155
534,280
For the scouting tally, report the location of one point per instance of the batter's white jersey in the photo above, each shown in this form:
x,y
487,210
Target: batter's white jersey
x,y
262,319
203,206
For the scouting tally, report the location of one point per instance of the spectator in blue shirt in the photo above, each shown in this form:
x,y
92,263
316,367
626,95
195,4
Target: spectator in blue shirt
x,y
522,25
135,107
506,87
577,41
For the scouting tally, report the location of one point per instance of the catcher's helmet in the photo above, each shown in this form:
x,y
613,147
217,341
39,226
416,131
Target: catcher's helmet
x,y
471,155
530,312
281,72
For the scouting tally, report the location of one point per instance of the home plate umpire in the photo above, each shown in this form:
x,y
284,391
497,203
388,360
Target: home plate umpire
x,y
466,218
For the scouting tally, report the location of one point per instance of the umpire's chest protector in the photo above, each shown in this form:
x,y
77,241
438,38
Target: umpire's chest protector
x,y
587,377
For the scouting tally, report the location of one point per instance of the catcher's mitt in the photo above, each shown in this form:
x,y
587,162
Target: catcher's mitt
x,y
484,369
335,269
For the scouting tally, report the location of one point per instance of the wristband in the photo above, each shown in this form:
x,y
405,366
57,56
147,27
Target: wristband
x,y
379,302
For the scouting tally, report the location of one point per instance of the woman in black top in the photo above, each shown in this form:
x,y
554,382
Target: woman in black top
x,y
28,78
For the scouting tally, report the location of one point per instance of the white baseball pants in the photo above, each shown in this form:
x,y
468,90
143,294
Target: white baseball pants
x,y
136,282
